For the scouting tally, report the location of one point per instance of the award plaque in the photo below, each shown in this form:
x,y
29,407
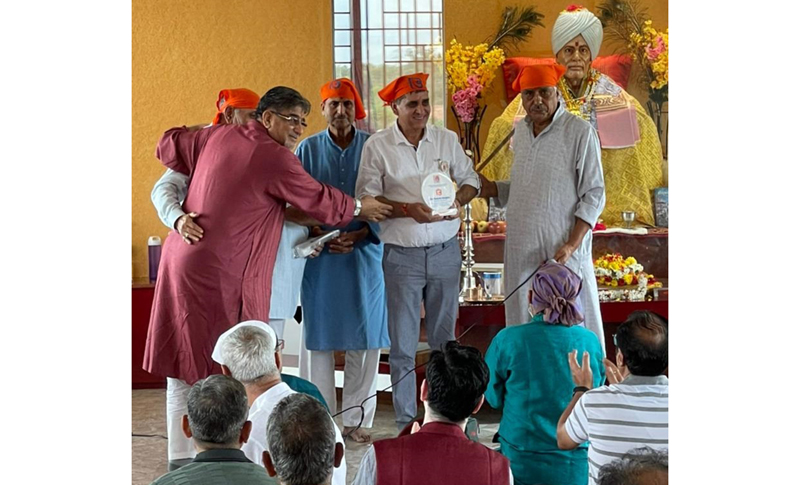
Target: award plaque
x,y
439,194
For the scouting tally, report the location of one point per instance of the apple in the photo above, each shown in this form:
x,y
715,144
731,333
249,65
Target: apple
x,y
493,228
502,225
483,226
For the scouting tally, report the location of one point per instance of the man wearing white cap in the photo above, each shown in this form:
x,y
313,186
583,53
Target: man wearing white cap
x,y
630,148
249,352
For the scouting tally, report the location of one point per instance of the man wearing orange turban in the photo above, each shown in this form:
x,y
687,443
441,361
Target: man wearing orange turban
x,y
421,253
558,193
631,152
343,295
234,107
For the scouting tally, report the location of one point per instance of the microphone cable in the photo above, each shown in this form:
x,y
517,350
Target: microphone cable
x,y
393,384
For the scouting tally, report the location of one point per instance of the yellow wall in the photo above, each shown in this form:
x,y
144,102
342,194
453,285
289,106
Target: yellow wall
x,y
184,52
472,21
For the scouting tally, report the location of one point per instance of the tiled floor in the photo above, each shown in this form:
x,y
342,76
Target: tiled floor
x,y
149,453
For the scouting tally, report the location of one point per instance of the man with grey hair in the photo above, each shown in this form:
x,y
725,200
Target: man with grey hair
x,y
640,466
421,255
248,352
218,426
302,442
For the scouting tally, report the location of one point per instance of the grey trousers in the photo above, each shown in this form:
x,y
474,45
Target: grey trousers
x,y
412,275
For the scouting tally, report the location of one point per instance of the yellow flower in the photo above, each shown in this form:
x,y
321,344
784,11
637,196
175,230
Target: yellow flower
x,y
631,260
628,278
613,282
461,62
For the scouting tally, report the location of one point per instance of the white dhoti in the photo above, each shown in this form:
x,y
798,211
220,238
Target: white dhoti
x,y
360,382
179,447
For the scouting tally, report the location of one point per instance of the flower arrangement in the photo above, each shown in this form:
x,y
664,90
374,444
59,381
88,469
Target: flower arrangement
x,y
615,271
625,23
471,69
651,49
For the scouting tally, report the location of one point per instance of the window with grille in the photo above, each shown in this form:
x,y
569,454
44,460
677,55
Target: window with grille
x,y
376,41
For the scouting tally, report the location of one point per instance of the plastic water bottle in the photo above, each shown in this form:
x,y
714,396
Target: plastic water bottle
x,y
154,256
493,282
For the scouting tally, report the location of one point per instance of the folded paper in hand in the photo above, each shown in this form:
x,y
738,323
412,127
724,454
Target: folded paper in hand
x,y
305,248
447,213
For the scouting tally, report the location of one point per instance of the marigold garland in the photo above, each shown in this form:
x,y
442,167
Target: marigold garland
x,y
613,270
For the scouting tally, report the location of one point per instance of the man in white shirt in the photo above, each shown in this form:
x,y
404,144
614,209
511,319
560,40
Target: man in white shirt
x,y
633,410
248,353
234,106
422,258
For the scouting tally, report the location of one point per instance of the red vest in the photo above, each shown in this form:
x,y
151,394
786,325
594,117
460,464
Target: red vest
x,y
439,454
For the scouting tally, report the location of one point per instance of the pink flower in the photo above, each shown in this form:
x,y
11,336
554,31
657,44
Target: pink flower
x,y
466,100
465,105
654,52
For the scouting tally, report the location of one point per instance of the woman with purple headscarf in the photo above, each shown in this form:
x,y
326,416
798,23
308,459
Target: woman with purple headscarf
x,y
530,379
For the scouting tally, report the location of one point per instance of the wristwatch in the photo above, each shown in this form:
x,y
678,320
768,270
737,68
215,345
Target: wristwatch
x,y
357,211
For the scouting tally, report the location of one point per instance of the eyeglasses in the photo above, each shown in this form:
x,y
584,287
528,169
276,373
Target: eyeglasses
x,y
279,345
293,120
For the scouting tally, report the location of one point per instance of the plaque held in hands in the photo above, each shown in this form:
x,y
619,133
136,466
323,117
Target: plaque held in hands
x,y
438,192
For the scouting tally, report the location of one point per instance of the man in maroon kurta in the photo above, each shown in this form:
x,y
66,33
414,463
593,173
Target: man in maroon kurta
x,y
439,452
241,179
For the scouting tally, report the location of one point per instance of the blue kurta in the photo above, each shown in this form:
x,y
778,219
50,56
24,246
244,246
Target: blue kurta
x,y
343,296
530,380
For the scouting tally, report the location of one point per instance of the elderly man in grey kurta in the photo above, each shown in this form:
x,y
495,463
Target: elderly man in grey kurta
x,y
556,195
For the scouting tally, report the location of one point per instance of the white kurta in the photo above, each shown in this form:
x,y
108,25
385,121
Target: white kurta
x,y
557,176
259,415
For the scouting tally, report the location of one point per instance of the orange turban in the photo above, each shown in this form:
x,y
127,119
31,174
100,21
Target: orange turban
x,y
235,98
538,75
403,85
343,88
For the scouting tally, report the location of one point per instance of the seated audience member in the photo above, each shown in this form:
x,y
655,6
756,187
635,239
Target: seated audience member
x,y
641,466
439,452
302,442
531,389
217,425
297,384
630,412
249,353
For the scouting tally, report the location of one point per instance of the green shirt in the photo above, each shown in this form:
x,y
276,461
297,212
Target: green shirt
x,y
530,381
218,467
299,384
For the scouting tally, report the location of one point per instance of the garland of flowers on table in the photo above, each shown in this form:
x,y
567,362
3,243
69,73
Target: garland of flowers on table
x,y
613,270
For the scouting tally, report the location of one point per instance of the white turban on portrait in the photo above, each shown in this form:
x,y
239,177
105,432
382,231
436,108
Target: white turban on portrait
x,y
571,24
